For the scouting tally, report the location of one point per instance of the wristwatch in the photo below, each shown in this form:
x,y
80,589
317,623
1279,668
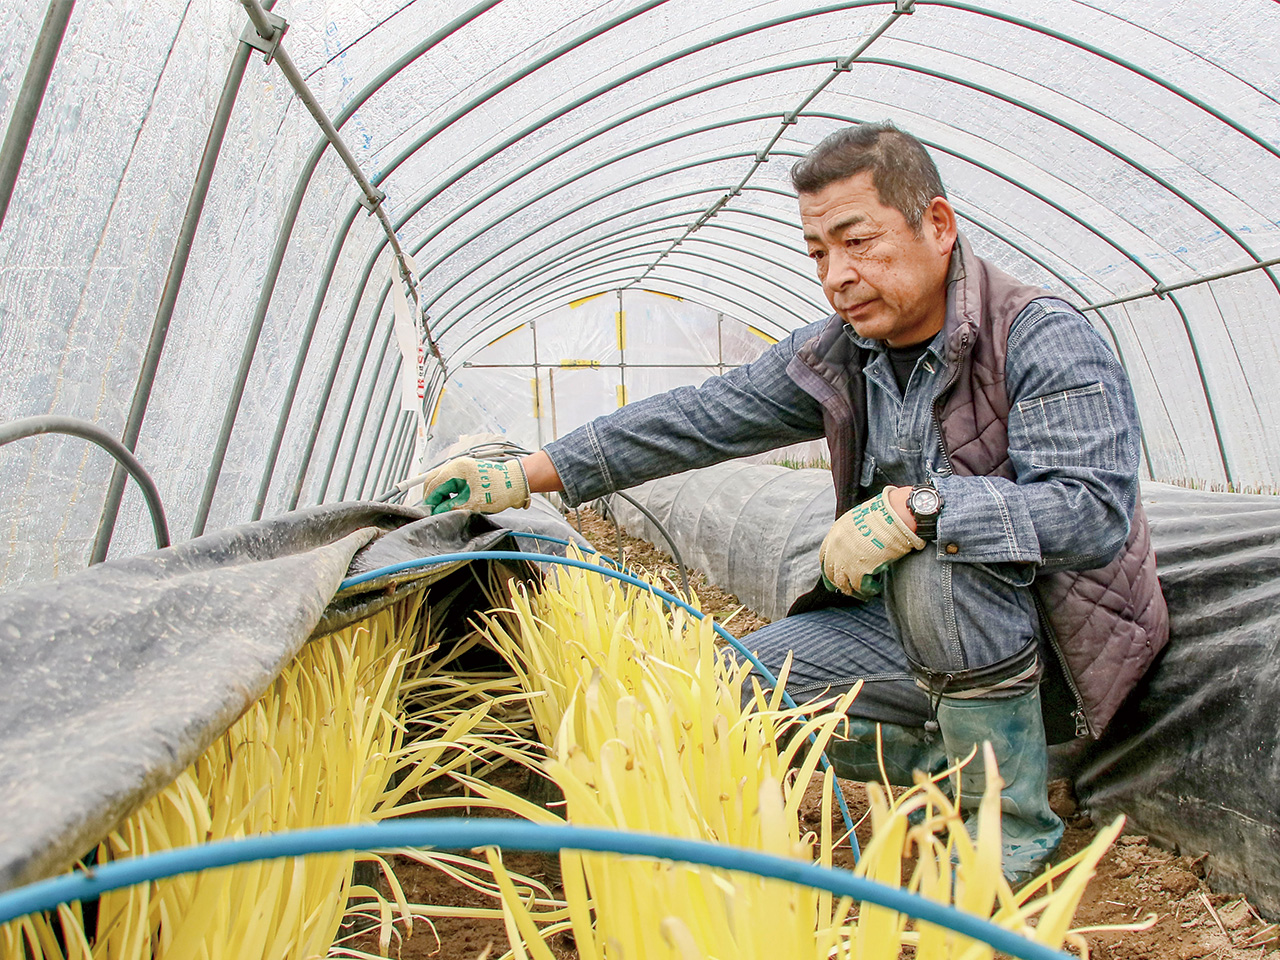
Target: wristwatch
x,y
925,503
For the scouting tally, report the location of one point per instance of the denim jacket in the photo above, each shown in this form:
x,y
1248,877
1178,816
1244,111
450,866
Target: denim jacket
x,y
1037,461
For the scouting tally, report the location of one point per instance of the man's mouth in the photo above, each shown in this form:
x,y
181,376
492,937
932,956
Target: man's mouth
x,y
853,310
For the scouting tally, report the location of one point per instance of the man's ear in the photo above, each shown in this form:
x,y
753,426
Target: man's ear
x,y
939,224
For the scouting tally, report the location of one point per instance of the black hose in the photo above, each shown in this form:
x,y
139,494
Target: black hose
x,y
617,532
675,551
50,423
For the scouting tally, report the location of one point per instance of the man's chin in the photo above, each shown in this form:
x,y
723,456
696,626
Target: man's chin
x,y
869,328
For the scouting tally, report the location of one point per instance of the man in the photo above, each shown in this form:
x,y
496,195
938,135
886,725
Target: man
x,y
991,556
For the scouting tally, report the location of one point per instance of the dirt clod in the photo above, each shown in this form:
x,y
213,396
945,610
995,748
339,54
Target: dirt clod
x,y
1177,881
1235,915
1062,799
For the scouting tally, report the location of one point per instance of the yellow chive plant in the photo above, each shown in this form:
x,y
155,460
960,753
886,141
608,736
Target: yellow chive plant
x,y
654,727
319,748
645,724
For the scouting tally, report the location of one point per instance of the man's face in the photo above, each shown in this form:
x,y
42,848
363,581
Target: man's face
x,y
883,278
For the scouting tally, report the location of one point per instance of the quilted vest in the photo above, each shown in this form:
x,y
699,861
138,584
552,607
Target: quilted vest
x,y
1106,624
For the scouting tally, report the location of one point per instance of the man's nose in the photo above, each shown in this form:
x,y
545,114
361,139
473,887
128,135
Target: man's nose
x,y
841,270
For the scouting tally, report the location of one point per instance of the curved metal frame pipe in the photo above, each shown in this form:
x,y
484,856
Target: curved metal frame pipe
x,y
596,239
357,374
26,106
52,423
169,294
397,449
623,233
1111,58
479,289
405,463
618,253
583,205
326,391
387,407
346,409
609,284
304,349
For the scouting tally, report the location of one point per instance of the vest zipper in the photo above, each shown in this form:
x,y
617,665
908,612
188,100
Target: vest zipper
x,y
942,444
1082,721
937,418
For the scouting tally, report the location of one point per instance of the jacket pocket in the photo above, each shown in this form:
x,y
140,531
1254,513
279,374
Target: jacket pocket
x,y
1071,428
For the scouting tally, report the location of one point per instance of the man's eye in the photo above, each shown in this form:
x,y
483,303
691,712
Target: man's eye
x,y
815,254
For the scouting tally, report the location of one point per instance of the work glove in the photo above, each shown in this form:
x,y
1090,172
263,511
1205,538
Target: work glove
x,y
861,544
485,486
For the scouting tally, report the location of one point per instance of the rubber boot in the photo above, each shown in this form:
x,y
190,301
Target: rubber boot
x,y
905,750
1029,829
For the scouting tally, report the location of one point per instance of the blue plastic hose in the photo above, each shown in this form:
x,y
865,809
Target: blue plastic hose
x,y
611,561
458,834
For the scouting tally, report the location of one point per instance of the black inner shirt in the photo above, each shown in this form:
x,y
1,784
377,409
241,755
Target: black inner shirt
x,y
904,361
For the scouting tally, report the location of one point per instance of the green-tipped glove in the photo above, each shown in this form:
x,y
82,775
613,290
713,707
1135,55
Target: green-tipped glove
x,y
485,486
861,544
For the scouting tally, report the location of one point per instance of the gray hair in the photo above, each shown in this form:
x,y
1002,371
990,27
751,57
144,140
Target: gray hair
x,y
901,169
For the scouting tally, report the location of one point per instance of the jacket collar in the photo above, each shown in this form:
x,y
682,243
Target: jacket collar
x,y
964,303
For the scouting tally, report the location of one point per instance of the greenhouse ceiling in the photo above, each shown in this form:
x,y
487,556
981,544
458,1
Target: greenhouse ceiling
x,y
189,263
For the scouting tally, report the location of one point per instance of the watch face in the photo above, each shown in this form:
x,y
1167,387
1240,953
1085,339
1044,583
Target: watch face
x,y
924,501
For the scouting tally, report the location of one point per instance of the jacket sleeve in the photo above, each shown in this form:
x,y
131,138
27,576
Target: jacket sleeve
x,y
1074,445
751,409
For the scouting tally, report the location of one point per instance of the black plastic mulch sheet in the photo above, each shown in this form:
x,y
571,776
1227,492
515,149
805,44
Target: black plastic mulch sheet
x,y
1193,758
114,679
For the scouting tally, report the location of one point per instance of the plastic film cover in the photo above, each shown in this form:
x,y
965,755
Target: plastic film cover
x,y
116,678
535,152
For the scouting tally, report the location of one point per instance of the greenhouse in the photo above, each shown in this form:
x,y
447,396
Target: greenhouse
x,y
274,276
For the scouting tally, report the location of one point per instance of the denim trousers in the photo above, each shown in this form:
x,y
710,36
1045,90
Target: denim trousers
x,y
938,628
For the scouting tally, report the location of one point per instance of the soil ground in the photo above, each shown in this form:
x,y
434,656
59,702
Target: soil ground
x,y
1136,882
